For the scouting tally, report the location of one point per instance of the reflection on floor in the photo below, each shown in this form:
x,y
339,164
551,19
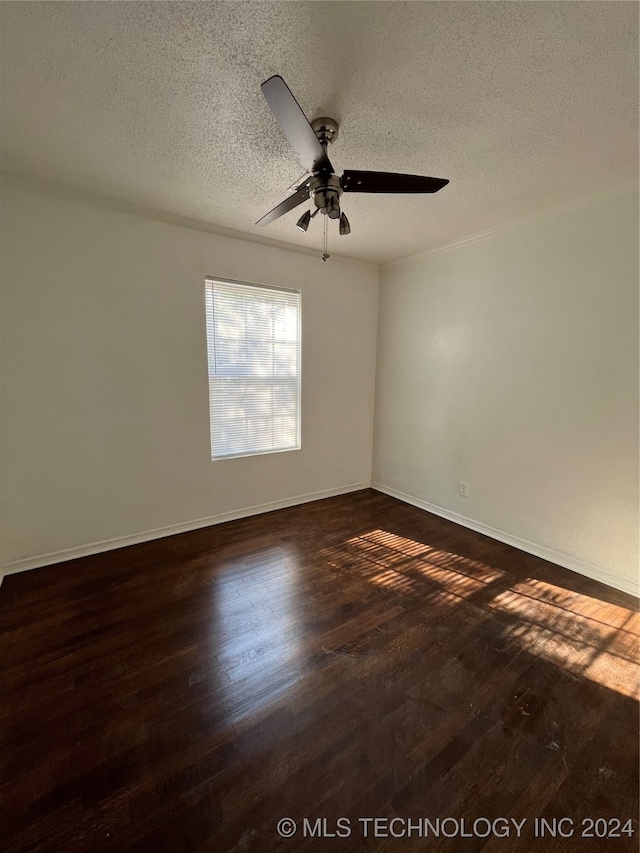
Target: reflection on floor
x,y
354,657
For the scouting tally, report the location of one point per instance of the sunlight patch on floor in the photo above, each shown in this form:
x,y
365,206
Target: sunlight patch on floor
x,y
404,565
585,636
400,547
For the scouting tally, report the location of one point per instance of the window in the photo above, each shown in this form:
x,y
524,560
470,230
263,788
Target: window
x,y
253,340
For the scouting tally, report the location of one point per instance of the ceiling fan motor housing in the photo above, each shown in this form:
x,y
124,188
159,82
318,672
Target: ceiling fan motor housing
x,y
326,191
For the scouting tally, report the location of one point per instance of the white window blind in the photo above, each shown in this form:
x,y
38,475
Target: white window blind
x,y
253,338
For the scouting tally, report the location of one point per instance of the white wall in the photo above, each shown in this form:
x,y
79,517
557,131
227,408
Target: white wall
x,y
511,362
105,430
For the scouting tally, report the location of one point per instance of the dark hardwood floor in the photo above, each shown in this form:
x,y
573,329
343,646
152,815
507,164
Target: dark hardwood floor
x,y
350,658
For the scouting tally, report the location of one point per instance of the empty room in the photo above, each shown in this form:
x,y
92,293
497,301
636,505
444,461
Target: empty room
x,y
319,427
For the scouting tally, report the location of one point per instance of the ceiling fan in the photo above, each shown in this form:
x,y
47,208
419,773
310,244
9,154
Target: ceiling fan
x,y
310,142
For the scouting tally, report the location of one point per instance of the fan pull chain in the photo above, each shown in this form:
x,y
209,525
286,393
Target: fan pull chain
x,y
326,254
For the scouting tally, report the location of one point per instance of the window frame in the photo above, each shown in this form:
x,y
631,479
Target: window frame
x,y
211,280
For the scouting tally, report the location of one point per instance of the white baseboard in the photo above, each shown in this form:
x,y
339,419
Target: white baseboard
x,y
146,536
560,558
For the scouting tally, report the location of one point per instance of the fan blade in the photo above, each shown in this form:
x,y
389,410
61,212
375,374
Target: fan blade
x,y
300,195
295,126
355,181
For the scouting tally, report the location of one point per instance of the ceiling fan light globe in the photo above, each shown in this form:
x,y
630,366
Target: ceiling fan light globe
x,y
345,228
303,223
333,208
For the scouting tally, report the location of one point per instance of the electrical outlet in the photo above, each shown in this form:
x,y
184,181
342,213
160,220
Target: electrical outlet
x,y
463,489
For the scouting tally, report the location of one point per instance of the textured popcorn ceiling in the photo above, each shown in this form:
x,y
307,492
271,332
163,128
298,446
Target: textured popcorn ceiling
x,y
522,105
